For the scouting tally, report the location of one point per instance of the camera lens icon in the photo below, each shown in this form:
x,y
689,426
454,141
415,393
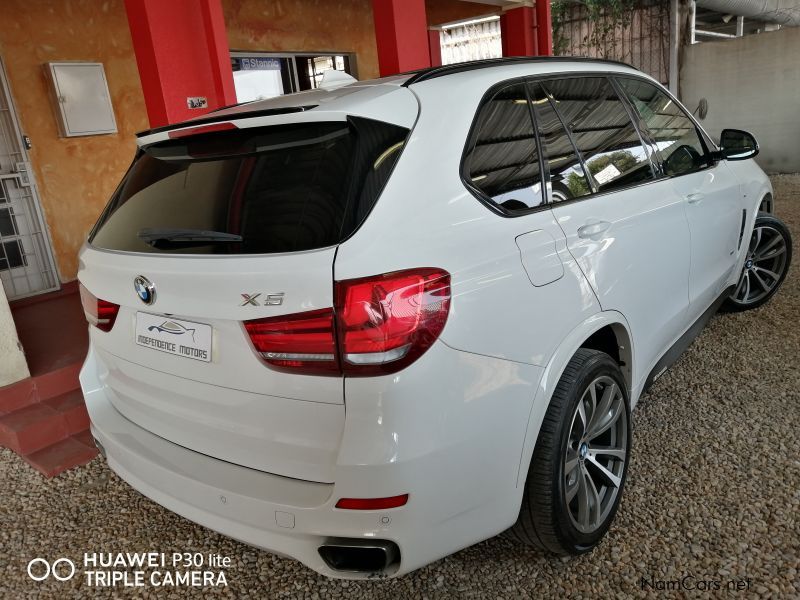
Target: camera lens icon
x,y
40,569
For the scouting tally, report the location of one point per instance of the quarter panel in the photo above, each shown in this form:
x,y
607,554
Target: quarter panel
x,y
453,415
555,368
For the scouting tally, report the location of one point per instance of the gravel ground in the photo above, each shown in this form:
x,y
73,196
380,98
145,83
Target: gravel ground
x,y
713,494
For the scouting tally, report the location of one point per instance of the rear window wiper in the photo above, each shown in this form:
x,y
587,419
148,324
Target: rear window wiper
x,y
166,237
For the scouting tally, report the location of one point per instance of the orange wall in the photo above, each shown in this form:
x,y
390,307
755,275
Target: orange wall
x,y
305,26
75,175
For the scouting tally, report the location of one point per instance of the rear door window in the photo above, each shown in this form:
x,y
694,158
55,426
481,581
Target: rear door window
x,y
602,130
503,160
283,188
567,175
679,145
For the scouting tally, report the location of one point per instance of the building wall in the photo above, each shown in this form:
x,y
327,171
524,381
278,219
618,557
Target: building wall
x,y
750,83
75,175
643,42
305,26
13,366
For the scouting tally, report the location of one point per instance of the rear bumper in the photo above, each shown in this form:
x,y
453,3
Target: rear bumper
x,y
242,503
461,487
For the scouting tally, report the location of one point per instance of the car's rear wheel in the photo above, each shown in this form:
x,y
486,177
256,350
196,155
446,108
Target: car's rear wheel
x,y
769,255
580,461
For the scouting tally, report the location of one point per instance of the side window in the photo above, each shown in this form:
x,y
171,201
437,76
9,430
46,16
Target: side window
x,y
680,147
602,130
503,161
567,176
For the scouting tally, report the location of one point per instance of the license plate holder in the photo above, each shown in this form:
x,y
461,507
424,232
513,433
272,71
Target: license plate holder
x,y
182,338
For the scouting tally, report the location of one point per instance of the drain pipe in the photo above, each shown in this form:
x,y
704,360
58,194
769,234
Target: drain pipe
x,y
674,43
784,12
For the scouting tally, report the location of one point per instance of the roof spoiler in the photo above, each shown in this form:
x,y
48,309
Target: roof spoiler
x,y
218,118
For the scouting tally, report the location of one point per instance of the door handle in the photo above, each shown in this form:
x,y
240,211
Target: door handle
x,y
694,198
593,229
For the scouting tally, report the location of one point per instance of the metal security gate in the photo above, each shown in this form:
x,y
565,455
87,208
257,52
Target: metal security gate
x,y
471,40
26,262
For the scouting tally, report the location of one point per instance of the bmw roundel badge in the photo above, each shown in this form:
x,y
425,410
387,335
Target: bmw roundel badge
x,y
145,289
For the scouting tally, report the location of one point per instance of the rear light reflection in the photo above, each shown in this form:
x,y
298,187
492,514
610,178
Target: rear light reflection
x,y
214,127
380,325
100,313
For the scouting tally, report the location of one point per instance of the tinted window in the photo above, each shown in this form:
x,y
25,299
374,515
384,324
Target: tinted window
x,y
503,162
567,176
276,189
12,255
602,131
679,145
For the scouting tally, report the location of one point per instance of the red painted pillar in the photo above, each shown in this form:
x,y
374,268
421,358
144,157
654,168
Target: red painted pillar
x,y
544,28
401,33
182,52
517,31
435,46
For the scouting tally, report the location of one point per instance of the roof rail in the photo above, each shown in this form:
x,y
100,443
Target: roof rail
x,y
434,72
213,117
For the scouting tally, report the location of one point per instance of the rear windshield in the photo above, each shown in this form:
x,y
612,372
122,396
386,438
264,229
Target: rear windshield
x,y
283,188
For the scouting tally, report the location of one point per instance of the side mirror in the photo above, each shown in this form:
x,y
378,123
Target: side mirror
x,y
736,144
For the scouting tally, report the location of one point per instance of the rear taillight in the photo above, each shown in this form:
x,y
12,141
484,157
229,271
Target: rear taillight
x,y
99,313
380,325
387,322
302,342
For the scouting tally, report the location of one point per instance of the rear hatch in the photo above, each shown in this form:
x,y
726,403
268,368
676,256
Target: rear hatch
x,y
211,228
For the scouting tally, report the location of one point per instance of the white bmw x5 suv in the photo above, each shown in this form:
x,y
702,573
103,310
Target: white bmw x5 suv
x,y
368,326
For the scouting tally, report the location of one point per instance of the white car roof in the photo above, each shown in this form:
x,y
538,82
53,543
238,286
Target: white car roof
x,y
388,99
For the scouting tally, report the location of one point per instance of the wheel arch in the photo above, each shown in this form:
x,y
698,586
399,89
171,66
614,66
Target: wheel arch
x,y
614,340
767,203
595,332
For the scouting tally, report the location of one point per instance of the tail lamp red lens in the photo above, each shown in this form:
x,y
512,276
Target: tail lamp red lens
x,y
380,325
372,503
100,313
301,342
387,322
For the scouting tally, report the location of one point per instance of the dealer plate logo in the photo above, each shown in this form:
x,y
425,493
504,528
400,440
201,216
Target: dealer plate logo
x,y
174,336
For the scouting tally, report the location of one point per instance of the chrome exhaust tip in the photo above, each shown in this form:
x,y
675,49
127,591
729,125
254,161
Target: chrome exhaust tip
x,y
359,555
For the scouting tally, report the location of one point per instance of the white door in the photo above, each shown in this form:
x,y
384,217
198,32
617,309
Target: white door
x,y
709,191
714,209
626,229
26,262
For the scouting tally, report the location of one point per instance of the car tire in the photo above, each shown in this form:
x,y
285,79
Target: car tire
x,y
554,516
769,255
